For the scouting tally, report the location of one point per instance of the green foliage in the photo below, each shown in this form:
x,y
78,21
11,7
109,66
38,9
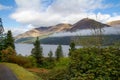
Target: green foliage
x,y
7,53
59,52
72,47
47,63
62,63
21,60
9,41
60,71
89,41
87,64
37,52
50,54
58,74
32,60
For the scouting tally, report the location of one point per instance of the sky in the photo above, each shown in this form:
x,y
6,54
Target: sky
x,y
22,15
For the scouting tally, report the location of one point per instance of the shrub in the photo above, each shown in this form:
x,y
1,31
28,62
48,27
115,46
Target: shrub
x,y
88,64
49,64
6,53
20,60
58,74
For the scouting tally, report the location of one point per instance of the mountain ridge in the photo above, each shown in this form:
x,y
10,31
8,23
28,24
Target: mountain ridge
x,y
44,32
114,23
87,23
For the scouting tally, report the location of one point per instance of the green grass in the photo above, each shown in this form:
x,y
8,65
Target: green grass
x,y
22,73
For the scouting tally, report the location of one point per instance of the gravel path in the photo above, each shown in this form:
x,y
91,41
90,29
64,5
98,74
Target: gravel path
x,y
6,73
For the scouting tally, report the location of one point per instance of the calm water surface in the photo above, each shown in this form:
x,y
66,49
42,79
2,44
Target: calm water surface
x,y
25,49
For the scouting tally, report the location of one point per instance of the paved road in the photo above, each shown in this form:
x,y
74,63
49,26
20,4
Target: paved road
x,y
6,73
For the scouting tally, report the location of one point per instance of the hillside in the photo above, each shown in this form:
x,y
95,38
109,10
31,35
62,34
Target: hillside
x,y
114,23
66,40
44,31
87,23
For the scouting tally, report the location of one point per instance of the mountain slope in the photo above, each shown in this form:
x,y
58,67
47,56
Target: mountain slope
x,y
114,23
44,31
87,23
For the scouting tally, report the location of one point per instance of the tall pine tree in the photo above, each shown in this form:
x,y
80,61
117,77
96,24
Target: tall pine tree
x,y
37,51
72,48
9,42
59,52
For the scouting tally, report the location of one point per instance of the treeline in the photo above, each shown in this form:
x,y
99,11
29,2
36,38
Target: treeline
x,y
107,40
36,59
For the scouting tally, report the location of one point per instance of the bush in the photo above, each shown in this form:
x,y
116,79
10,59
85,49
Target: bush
x,y
6,53
89,64
20,60
62,63
32,60
49,64
59,74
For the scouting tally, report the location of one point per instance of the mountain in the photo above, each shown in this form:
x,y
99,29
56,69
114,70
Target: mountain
x,y
44,31
87,23
114,23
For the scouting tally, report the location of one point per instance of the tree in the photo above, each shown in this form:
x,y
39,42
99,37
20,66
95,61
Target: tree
x,y
9,41
37,51
72,47
50,54
59,52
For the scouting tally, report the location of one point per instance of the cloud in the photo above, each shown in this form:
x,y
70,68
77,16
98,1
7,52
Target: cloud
x,y
78,6
106,31
2,7
44,13
116,17
19,29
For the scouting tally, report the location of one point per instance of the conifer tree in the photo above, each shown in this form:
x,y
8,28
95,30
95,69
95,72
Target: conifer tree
x,y
59,52
9,42
37,51
50,54
72,48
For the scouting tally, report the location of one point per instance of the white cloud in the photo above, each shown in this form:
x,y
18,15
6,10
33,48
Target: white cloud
x,y
76,6
117,17
2,7
19,29
28,4
65,11
106,30
60,11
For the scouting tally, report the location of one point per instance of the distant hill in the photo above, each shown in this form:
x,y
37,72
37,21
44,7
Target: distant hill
x,y
44,31
87,23
114,23
66,40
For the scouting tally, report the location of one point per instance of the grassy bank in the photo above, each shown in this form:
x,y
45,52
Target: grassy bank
x,y
22,73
